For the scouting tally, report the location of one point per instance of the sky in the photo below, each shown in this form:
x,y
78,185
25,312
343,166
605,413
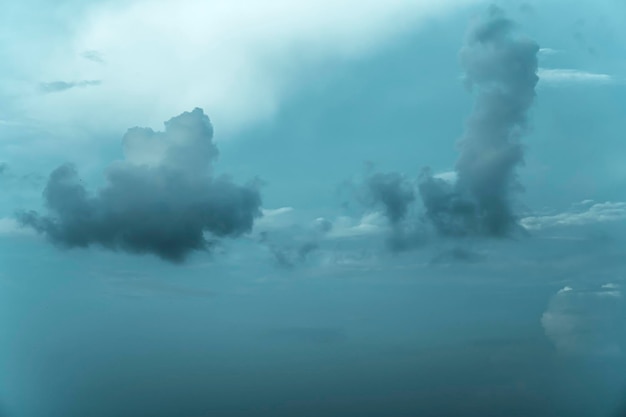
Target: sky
x,y
312,208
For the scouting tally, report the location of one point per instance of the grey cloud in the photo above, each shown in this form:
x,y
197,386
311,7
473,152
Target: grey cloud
x,y
395,194
3,168
289,255
94,56
58,86
501,68
392,192
161,199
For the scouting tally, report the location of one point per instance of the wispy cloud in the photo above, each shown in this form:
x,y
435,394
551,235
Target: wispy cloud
x,y
567,75
58,86
581,214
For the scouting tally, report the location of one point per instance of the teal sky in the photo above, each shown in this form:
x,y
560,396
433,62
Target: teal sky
x,y
310,310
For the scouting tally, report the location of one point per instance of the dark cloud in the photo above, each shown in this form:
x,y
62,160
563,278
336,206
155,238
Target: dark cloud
x,y
392,192
500,67
3,168
162,199
58,86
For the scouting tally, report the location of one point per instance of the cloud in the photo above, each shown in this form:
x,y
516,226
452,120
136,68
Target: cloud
x,y
238,59
548,52
581,215
389,198
163,198
372,223
586,321
93,56
274,219
58,86
560,76
392,192
501,67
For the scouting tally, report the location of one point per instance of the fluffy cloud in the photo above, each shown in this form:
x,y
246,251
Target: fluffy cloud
x,y
587,321
163,198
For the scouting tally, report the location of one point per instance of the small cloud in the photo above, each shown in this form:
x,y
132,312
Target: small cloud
x,y
564,76
93,56
547,51
610,286
565,289
347,227
586,214
272,219
448,176
58,86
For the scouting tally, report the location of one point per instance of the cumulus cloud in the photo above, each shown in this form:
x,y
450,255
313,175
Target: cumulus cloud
x,y
163,198
582,214
587,321
501,67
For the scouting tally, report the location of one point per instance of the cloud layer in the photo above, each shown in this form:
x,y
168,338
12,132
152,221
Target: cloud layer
x,y
162,198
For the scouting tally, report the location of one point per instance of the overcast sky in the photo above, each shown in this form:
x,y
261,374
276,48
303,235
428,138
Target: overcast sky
x,y
312,208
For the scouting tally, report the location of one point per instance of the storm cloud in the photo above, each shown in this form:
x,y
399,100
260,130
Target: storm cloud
x,y
501,69
163,198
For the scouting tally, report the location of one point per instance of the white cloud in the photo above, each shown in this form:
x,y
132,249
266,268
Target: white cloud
x,y
586,213
563,76
586,322
548,51
237,59
448,176
273,219
369,224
